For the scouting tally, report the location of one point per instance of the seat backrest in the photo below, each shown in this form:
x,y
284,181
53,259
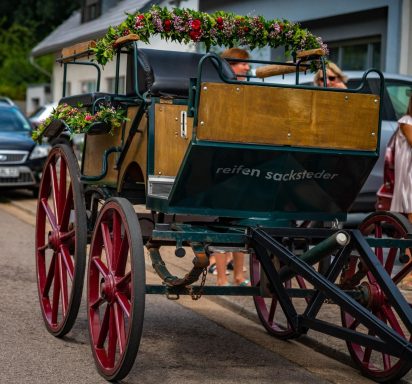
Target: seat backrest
x,y
168,73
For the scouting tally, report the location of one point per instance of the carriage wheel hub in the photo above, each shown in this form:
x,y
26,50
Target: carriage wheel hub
x,y
108,288
54,240
374,296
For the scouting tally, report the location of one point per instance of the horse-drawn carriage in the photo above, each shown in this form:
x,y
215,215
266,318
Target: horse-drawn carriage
x,y
221,165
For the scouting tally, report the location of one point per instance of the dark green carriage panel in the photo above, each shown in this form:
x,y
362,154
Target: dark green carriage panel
x,y
240,181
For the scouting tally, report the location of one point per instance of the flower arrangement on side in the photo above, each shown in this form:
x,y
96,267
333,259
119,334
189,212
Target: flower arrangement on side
x,y
217,29
80,121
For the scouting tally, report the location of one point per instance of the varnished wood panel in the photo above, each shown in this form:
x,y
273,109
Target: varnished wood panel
x,y
93,156
138,149
286,116
80,50
170,147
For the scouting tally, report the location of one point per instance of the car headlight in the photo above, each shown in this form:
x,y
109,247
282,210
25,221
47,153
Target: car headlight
x,y
40,151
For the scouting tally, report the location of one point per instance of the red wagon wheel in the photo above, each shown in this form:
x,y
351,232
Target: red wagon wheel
x,y
376,365
116,289
268,308
61,239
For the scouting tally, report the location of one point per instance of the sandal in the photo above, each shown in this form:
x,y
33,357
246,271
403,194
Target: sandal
x,y
245,283
212,269
230,266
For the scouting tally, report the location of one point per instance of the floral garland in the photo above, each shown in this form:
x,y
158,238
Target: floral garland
x,y
80,121
217,29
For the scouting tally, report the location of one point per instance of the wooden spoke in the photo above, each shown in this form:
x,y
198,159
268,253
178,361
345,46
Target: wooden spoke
x,y
49,214
100,266
67,261
124,303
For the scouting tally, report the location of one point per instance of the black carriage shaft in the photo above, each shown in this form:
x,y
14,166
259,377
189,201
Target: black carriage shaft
x,y
389,342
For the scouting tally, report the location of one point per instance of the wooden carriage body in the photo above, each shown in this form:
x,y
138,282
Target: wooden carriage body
x,y
219,164
204,143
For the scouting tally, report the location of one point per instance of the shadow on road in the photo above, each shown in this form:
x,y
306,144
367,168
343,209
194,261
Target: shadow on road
x,y
15,194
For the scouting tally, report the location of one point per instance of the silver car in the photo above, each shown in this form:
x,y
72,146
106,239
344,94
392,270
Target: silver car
x,y
395,103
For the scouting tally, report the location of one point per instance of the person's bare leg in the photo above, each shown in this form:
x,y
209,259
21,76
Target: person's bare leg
x,y
221,268
238,261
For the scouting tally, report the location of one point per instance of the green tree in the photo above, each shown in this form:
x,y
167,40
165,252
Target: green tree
x,y
30,21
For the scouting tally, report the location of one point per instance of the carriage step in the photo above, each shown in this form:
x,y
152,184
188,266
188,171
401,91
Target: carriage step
x,y
160,186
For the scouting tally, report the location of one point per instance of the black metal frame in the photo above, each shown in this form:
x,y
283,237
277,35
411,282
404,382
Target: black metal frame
x,y
385,340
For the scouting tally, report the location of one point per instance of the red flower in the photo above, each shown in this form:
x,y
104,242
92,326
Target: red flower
x,y
126,32
219,20
246,29
196,24
88,117
141,17
167,25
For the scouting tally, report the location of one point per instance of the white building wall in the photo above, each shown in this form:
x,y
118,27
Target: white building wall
x,y
304,10
77,74
36,96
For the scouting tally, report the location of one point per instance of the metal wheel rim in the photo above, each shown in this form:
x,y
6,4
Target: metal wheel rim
x,y
267,312
116,289
362,356
67,242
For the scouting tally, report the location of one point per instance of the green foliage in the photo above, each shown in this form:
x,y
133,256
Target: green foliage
x,y
78,120
28,22
217,29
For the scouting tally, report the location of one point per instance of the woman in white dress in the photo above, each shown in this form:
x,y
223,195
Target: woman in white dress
x,y
402,193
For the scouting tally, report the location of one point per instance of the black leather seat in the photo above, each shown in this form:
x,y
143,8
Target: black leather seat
x,y
84,99
168,73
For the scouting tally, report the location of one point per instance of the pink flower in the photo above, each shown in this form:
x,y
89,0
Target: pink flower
x,y
88,117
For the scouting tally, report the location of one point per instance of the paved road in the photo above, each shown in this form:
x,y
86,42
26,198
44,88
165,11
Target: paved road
x,y
191,348
178,344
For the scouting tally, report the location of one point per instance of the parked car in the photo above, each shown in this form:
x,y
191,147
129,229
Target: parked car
x,y
41,114
395,102
5,99
21,159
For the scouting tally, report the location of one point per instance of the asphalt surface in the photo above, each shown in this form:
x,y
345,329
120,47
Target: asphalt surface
x,y
235,314
178,345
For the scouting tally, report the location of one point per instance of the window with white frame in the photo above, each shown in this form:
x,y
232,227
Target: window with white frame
x,y
88,86
356,54
111,85
91,9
